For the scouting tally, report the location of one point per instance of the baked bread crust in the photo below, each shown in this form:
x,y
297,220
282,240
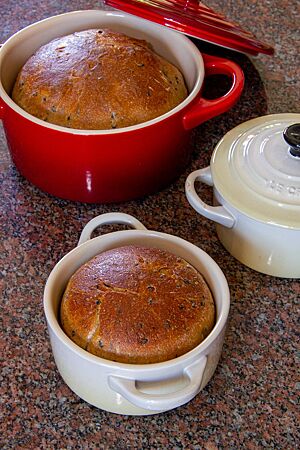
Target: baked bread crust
x,y
98,79
137,305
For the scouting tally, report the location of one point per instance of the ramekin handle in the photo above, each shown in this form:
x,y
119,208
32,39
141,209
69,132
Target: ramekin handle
x,y
218,214
106,219
160,402
203,109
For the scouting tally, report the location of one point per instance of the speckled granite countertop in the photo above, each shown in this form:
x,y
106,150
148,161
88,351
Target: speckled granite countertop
x,y
252,400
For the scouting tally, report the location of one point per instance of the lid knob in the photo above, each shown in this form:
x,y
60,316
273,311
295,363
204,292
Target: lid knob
x,y
292,136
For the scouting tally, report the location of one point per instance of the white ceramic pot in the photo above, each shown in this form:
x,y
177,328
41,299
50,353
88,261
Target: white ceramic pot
x,y
255,174
130,388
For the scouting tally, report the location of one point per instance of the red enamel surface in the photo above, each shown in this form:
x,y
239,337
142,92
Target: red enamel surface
x,y
117,166
203,109
97,168
194,19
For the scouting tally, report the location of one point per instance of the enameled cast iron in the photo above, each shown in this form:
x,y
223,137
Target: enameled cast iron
x,y
255,175
109,165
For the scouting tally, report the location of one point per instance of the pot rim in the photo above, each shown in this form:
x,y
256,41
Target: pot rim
x,y
187,43
219,280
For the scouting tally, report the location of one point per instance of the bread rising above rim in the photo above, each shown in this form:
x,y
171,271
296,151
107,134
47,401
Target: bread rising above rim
x,y
98,79
137,305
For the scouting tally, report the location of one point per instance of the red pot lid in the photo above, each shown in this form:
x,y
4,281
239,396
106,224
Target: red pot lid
x,y
194,19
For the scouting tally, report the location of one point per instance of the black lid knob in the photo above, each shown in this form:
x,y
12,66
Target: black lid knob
x,y
292,136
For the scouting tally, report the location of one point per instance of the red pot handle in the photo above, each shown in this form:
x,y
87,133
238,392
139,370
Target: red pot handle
x,y
203,109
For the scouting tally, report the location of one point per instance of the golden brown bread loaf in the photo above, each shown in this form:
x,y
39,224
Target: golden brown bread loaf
x,y
98,79
137,305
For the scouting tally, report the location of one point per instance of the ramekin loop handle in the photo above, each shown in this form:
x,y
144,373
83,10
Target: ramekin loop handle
x,y
161,402
218,214
106,219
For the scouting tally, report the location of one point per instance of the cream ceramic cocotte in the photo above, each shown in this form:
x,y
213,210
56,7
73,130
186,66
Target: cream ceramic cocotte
x,y
255,175
136,389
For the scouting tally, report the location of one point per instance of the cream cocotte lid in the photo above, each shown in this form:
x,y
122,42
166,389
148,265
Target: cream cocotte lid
x,y
256,169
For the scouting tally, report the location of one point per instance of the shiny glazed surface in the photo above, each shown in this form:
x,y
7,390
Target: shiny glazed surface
x,y
252,397
195,19
165,385
255,181
115,165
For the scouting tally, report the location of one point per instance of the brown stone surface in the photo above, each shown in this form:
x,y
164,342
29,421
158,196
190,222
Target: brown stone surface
x,y
251,402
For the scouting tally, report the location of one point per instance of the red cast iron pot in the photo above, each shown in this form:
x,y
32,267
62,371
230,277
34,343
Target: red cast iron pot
x,y
109,165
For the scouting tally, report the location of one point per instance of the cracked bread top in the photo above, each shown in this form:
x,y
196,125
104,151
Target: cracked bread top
x,y
98,79
137,305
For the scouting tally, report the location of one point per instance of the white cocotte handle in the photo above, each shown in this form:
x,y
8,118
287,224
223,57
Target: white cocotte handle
x,y
218,214
160,402
106,219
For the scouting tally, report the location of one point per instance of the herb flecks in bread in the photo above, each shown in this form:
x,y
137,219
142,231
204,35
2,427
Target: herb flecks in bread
x,y
98,79
137,305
